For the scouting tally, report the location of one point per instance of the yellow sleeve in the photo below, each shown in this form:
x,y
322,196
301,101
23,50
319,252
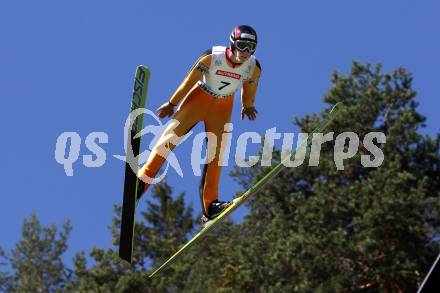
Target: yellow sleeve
x,y
194,75
249,88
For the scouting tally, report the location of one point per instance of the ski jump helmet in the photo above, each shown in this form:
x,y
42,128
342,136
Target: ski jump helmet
x,y
243,38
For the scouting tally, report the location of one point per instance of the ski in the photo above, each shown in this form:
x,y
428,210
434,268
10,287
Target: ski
x,y
251,191
130,182
431,280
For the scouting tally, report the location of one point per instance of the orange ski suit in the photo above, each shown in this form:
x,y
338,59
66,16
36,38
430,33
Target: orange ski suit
x,y
198,105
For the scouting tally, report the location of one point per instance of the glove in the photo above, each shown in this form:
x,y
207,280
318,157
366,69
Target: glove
x,y
250,112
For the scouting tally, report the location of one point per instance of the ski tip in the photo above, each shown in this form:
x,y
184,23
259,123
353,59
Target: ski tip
x,y
334,110
143,73
145,68
336,107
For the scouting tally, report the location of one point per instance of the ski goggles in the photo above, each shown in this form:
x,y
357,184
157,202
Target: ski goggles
x,y
242,46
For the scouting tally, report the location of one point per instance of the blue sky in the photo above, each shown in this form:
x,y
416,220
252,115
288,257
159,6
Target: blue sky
x,y
68,66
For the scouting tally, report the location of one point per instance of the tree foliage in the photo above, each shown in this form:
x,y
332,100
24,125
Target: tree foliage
x,y
36,259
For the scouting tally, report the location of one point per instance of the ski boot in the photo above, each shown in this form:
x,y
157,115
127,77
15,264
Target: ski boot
x,y
214,210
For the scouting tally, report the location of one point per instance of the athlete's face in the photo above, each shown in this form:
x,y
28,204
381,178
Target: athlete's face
x,y
241,57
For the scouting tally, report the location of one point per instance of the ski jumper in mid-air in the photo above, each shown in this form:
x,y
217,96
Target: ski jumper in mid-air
x,y
207,95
